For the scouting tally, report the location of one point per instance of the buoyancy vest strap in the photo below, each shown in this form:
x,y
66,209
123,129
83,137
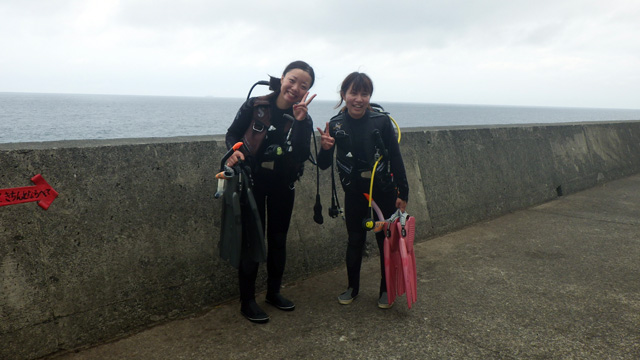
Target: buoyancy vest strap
x,y
260,123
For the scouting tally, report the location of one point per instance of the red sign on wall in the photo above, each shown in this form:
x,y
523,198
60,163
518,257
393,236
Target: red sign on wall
x,y
42,192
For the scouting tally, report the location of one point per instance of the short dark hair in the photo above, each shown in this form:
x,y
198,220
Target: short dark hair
x,y
360,82
274,82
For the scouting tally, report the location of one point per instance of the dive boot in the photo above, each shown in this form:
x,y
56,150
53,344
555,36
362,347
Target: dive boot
x,y
383,301
347,297
253,312
280,302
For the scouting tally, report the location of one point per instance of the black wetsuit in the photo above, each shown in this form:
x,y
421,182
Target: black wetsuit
x,y
273,186
356,155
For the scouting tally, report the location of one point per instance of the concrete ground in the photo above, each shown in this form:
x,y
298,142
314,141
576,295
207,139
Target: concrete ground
x,y
556,281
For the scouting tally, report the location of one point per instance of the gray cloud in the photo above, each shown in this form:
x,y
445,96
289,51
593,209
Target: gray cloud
x,y
495,52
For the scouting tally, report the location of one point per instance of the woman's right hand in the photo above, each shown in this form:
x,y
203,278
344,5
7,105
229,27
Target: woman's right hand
x,y
326,141
235,158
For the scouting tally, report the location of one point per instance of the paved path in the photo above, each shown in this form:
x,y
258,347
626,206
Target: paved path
x,y
557,281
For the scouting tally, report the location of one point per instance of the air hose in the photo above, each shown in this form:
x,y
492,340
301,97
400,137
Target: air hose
x,y
368,224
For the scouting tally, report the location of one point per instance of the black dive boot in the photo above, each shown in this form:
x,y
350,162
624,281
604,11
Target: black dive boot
x,y
253,312
280,302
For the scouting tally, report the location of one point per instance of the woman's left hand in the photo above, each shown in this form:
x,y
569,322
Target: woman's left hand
x,y
401,204
300,109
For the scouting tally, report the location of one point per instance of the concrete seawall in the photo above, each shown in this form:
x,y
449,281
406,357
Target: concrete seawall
x,y
131,241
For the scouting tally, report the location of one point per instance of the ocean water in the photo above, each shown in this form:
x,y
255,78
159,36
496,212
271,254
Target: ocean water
x,y
32,117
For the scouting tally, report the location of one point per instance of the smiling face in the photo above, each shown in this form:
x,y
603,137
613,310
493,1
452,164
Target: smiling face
x,y
357,102
294,85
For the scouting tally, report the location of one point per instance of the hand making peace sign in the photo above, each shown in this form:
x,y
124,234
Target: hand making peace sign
x,y
326,141
300,109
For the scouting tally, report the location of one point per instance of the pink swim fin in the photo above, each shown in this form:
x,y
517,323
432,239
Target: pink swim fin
x,y
399,257
393,260
410,227
406,229
389,267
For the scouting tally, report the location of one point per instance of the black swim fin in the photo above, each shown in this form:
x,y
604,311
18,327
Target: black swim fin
x,y
241,229
252,229
230,244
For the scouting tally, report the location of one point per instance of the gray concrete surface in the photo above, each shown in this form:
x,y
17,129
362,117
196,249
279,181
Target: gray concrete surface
x,y
556,281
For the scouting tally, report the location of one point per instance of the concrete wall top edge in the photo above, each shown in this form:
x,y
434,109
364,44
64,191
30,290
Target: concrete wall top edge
x,y
178,139
106,142
498,126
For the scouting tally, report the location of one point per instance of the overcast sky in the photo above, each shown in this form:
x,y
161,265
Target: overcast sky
x,y
583,53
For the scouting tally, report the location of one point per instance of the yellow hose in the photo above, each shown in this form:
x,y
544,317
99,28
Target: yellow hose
x,y
373,173
397,127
